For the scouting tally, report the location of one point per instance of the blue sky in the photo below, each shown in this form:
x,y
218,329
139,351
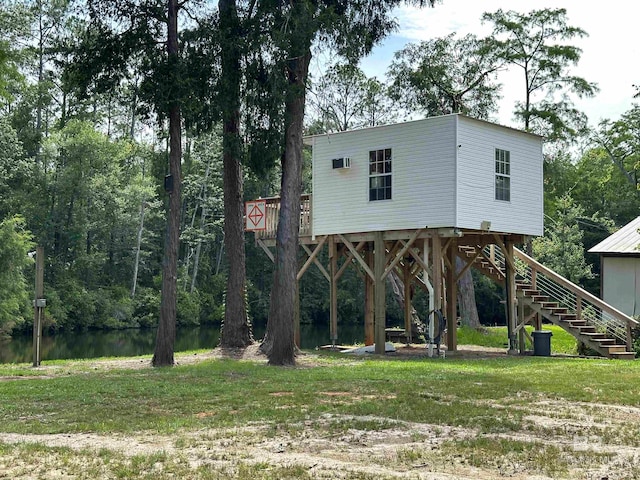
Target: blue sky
x,y
611,53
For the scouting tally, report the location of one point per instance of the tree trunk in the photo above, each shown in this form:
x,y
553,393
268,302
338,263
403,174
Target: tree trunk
x,y
279,335
236,330
136,264
165,340
203,219
397,286
134,104
201,202
467,297
196,258
41,40
219,256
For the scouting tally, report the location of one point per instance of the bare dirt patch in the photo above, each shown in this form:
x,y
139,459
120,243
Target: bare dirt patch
x,y
31,377
579,440
403,450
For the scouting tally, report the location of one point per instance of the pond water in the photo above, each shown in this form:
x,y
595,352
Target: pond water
x,y
132,342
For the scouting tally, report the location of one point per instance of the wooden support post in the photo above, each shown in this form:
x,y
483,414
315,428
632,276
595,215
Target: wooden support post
x,y
406,270
452,297
510,287
379,261
369,303
333,294
429,286
521,324
538,322
38,307
436,268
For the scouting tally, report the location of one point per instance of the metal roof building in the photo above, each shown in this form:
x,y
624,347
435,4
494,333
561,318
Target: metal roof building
x,y
620,268
624,241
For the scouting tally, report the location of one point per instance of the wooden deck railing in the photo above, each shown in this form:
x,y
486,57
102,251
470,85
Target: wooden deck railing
x,y
272,213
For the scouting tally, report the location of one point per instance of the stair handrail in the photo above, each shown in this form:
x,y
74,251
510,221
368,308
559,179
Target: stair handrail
x,y
579,291
534,268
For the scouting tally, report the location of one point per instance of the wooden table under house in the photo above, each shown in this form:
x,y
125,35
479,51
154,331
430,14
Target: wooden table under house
x,y
414,197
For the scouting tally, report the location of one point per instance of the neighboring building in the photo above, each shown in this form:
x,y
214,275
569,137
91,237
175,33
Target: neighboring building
x,y
448,171
620,268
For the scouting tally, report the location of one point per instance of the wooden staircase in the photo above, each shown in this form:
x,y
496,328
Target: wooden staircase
x,y
601,327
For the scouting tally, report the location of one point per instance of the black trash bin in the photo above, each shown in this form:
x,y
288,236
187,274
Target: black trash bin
x,y
542,343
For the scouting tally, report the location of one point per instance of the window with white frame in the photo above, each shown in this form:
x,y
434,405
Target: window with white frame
x,y
503,175
380,174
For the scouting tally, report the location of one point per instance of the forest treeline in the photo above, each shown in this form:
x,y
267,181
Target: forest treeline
x,y
85,139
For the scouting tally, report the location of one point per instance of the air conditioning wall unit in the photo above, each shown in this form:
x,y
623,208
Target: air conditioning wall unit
x,y
343,162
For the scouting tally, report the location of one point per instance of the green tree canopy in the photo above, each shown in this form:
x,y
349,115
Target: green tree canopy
x,y
14,171
562,249
345,98
15,243
620,140
447,75
14,25
601,188
535,42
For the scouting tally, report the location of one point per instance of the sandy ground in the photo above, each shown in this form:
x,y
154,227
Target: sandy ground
x,y
582,435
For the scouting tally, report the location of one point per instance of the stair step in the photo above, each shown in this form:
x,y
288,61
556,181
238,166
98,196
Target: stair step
x,y
623,355
592,334
604,342
549,305
617,349
530,292
539,298
558,310
571,319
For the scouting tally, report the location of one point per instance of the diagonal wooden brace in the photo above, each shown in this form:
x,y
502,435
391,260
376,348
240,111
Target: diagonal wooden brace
x,y
401,253
349,257
312,258
357,256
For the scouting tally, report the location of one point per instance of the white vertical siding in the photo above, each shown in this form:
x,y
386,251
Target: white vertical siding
x,y
477,142
443,175
621,283
423,178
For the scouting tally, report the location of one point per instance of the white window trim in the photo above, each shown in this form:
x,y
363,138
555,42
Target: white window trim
x,y
497,174
372,175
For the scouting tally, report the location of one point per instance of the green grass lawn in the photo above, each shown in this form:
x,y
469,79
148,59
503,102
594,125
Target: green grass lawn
x,y
328,397
561,341
233,392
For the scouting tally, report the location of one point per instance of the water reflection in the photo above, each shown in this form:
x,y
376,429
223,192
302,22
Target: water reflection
x,y
132,342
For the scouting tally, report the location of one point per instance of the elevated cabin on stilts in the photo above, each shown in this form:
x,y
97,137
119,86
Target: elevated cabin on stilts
x,y
412,197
